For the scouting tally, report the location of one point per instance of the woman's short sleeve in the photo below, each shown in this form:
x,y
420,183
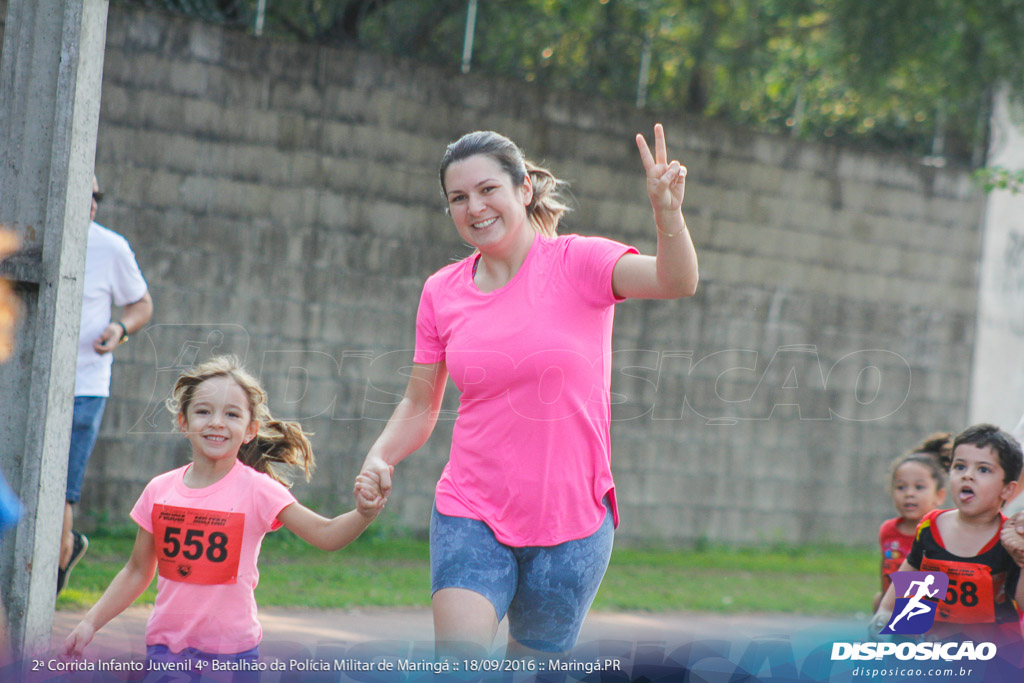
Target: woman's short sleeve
x,y
589,263
429,347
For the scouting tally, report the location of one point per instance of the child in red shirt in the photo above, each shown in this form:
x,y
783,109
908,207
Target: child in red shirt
x,y
917,486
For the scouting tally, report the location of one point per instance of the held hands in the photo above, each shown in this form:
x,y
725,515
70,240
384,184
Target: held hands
x,y
1012,537
666,181
369,490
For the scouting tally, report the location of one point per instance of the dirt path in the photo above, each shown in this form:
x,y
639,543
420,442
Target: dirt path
x,y
310,628
330,645
298,641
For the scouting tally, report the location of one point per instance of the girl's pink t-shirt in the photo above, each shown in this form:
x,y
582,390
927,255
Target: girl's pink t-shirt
x,y
197,534
531,448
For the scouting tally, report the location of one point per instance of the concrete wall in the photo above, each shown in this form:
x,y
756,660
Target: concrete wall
x,y
283,204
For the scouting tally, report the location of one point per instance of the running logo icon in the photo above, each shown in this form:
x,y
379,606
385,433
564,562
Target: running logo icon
x,y
914,612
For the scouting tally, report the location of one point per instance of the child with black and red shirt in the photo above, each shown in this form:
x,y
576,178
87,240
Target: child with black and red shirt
x,y
965,543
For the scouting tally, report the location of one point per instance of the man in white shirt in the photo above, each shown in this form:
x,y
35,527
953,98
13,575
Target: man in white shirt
x,y
112,278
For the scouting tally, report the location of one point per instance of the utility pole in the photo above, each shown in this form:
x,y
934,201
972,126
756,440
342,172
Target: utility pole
x,y
50,77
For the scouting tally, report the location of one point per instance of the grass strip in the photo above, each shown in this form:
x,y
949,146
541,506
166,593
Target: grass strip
x,y
390,569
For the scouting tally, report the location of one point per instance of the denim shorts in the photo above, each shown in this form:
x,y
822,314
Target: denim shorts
x,y
85,427
545,590
192,666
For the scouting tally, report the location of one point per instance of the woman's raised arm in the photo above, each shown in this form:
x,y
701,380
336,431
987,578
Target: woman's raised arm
x,y
672,273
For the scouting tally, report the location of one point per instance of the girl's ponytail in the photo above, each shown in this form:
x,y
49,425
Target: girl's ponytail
x,y
939,445
278,446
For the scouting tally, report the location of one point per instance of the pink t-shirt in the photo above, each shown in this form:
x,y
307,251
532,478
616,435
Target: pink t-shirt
x,y
531,450
207,542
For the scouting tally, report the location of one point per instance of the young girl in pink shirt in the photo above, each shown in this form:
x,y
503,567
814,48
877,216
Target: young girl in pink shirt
x,y
201,525
525,508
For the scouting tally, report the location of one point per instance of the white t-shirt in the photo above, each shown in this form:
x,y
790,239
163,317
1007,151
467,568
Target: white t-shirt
x,y
112,277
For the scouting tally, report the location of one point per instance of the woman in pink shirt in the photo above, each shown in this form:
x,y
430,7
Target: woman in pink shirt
x,y
524,510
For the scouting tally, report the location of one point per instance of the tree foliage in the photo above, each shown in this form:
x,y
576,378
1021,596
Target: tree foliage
x,y
911,74
1000,178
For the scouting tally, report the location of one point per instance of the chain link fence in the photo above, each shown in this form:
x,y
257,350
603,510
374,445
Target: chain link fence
x,y
231,12
654,53
510,38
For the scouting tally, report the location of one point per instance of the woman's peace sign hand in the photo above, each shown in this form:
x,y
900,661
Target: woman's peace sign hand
x,y
666,180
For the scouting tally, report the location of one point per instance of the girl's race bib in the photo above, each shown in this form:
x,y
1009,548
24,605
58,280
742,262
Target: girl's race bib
x,y
197,546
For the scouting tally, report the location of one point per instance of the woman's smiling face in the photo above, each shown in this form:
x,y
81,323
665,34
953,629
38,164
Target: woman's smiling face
x,y
484,205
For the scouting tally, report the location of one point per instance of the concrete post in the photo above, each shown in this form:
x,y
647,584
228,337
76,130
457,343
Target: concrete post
x,y
50,78
997,372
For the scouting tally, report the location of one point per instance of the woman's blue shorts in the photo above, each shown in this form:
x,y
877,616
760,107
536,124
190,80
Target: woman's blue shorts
x,y
545,590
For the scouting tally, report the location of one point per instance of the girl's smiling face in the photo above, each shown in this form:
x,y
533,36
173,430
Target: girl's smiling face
x,y
217,420
915,492
976,480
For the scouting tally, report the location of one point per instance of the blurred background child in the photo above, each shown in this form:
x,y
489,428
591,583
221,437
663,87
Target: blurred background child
x,y
917,485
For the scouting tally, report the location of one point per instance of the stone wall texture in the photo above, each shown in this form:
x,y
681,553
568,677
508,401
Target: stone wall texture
x,y
283,203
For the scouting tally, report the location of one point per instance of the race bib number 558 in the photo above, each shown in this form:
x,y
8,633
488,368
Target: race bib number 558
x,y
197,546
